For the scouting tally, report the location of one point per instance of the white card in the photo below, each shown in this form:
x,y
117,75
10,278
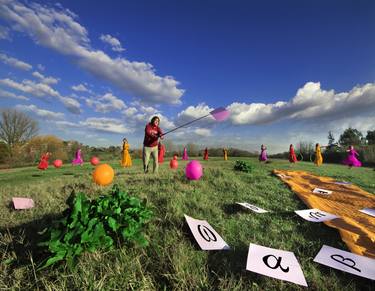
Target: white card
x,y
283,176
205,235
342,183
315,215
346,261
322,191
252,207
275,263
369,211
22,203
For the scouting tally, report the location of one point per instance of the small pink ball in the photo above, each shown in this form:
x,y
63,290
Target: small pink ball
x,y
194,170
57,163
94,161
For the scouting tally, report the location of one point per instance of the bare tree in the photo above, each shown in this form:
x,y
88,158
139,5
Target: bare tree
x,y
16,128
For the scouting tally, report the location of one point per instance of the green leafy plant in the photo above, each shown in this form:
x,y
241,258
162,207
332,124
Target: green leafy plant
x,y
242,166
97,224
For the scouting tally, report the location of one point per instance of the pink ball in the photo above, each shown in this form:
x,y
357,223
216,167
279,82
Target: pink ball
x,y
173,164
57,163
94,161
194,170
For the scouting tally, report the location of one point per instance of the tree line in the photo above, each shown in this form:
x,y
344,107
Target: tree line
x,y
20,145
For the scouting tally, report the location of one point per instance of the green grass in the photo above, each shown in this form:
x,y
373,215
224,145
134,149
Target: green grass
x,y
173,261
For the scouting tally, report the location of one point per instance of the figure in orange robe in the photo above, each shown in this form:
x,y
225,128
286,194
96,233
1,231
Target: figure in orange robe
x,y
126,160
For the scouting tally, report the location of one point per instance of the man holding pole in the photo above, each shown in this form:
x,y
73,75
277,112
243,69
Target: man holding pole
x,y
150,143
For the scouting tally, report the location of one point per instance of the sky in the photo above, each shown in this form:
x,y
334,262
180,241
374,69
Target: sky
x,y
288,71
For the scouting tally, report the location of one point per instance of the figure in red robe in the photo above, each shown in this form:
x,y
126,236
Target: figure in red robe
x,y
205,157
161,152
43,164
292,154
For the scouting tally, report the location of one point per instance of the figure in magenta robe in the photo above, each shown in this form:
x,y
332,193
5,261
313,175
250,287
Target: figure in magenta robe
x,y
78,159
185,155
351,160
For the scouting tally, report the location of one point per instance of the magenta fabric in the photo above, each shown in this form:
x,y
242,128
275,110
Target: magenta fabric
x,y
220,114
263,154
185,155
351,159
78,159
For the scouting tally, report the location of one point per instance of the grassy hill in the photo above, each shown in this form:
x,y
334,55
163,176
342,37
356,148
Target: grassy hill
x,y
173,261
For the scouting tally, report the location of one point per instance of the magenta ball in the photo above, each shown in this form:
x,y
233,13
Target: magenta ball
x,y
194,170
94,161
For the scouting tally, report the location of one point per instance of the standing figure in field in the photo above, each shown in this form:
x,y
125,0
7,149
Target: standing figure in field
x,y
78,160
263,153
150,143
43,164
225,153
318,155
351,159
205,156
161,154
185,155
292,154
126,160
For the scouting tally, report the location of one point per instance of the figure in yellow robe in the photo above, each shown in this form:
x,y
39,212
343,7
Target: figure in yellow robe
x,y
225,152
318,155
126,159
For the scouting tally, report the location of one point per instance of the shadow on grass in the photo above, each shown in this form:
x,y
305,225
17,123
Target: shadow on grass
x,y
21,241
36,175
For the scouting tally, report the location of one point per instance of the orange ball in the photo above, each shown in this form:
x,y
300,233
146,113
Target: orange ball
x,y
103,175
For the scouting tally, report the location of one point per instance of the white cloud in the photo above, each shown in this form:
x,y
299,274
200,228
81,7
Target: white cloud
x,y
7,94
58,30
106,103
30,87
130,111
45,114
194,112
112,125
71,104
41,67
310,103
44,79
42,90
114,42
4,33
80,88
203,132
15,62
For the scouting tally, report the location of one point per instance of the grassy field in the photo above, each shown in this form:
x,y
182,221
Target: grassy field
x,y
173,261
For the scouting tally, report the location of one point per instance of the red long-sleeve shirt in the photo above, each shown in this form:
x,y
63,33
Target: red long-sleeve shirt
x,y
152,134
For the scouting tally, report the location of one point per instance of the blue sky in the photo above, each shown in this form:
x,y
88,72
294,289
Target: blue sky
x,y
286,70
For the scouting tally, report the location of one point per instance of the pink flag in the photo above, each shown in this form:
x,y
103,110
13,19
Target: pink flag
x,y
220,114
22,203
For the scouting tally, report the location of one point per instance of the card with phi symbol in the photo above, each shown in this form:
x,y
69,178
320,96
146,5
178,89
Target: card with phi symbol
x,y
205,235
